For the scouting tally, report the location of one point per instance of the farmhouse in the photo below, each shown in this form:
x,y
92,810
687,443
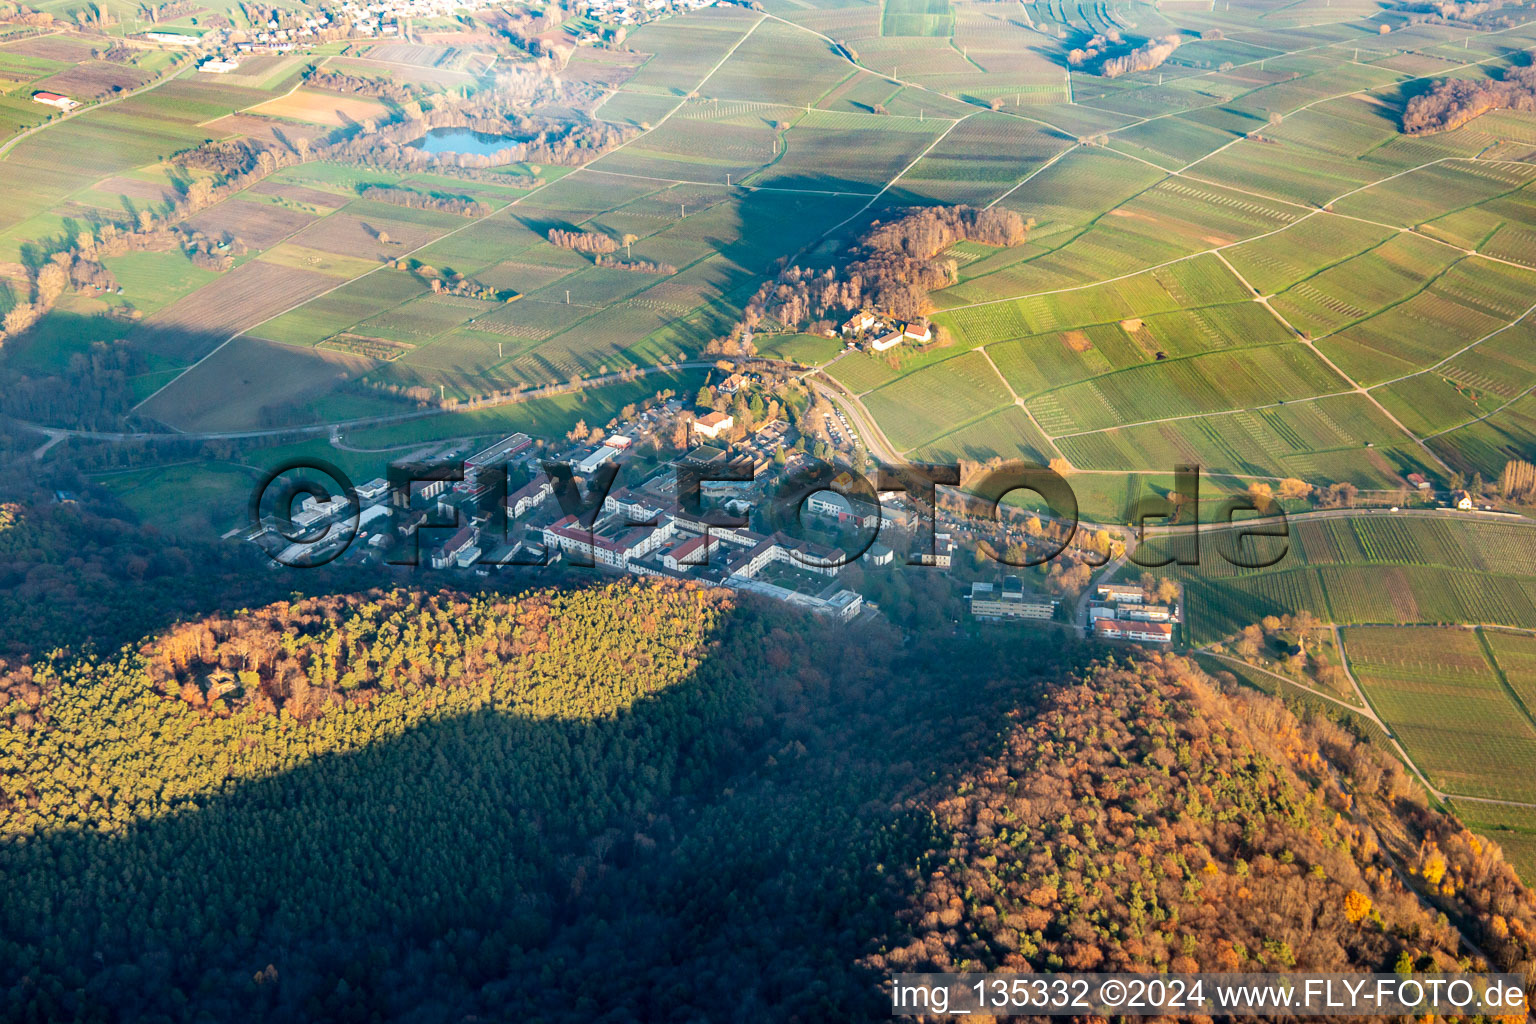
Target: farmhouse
x,y
886,341
53,99
713,425
917,331
1462,500
860,321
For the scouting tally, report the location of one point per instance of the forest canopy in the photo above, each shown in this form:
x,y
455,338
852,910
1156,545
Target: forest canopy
x,y
1455,101
437,805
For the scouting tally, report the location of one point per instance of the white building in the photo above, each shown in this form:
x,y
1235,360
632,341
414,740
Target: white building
x,y
860,321
691,553
1120,593
1146,632
996,602
713,425
529,497
601,457
53,99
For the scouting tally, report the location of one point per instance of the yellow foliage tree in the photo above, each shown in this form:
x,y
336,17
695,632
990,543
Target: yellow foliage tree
x,y
1356,905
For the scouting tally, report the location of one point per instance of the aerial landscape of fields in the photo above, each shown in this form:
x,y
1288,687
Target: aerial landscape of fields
x,y
1206,264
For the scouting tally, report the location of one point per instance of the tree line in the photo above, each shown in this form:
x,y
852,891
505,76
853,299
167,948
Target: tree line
x,y
892,268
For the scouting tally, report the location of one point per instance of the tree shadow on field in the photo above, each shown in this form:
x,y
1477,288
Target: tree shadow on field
x,y
725,849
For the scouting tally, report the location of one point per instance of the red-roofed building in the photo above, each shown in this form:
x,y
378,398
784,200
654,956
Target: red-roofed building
x,y
691,553
1147,632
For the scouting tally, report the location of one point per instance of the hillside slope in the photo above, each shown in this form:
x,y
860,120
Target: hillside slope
x,y
619,803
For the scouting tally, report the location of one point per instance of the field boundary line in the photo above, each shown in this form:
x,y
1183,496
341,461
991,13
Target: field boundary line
x,y
1498,672
172,74
1018,400
463,227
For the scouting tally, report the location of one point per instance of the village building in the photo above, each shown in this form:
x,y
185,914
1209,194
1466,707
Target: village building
x,y
847,511
1146,632
53,99
997,602
459,550
713,425
529,497
1120,593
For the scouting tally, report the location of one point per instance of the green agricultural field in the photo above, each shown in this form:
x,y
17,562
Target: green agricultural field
x,y
1438,691
919,406
1376,567
917,18
1236,259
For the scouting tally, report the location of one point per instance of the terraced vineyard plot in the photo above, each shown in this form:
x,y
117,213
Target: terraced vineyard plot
x,y
1376,567
1179,387
1171,142
917,18
1514,654
1356,288
1195,282
1041,362
1503,364
1324,439
1429,192
531,319
423,318
1202,215
1429,403
1485,446
841,160
925,404
1312,179
1438,692
981,158
683,53
1006,434
1081,185
860,372
336,311
1410,336
780,64
688,150
1275,262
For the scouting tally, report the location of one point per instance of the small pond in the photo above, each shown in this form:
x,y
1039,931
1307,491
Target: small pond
x,y
462,140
